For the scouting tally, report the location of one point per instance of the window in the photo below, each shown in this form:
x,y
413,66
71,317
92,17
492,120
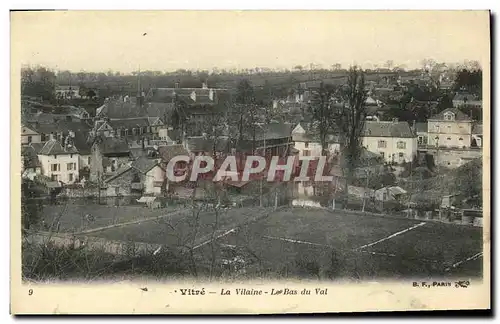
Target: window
x,y
306,145
55,167
448,139
382,144
401,145
401,155
30,139
307,153
449,116
382,154
420,140
89,160
43,137
145,129
70,177
54,177
71,166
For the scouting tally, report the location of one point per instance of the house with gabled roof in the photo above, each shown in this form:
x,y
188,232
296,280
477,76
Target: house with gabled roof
x,y
395,141
60,161
450,128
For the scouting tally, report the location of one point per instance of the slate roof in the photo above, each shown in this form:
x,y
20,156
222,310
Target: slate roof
x,y
421,127
37,147
54,147
459,115
203,144
118,108
167,152
270,131
159,109
143,164
81,143
61,126
387,129
128,123
113,145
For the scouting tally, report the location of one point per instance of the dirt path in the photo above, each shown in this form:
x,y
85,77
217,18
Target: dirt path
x,y
98,229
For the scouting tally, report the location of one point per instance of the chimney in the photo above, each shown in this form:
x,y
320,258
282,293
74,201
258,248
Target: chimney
x,y
204,85
177,85
394,120
52,136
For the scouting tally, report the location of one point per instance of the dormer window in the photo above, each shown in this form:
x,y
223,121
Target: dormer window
x,y
449,116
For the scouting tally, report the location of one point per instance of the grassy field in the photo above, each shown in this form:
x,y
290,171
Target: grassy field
x,y
179,229
296,242
326,245
72,216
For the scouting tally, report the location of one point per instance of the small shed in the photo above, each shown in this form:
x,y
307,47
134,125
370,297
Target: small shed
x,y
151,202
390,193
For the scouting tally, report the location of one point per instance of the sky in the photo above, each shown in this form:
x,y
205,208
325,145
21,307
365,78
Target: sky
x,y
114,40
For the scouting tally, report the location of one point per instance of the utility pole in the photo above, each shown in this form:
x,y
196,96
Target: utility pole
x,y
99,187
411,186
366,190
265,156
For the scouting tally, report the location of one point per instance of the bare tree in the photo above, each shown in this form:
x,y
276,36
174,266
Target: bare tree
x,y
351,116
323,113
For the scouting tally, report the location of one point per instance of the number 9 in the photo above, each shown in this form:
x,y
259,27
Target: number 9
x,y
30,292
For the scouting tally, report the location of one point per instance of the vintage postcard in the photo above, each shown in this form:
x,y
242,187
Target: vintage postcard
x,y
249,162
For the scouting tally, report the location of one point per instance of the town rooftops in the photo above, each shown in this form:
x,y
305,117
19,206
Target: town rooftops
x,y
203,144
270,131
388,129
112,145
421,127
458,115
167,152
54,147
143,164
123,107
465,97
128,123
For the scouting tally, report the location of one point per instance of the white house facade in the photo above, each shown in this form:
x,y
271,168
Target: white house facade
x,y
395,141
59,163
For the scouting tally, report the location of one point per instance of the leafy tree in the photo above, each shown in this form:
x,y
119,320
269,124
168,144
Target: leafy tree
x,y
30,209
39,82
245,92
469,80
